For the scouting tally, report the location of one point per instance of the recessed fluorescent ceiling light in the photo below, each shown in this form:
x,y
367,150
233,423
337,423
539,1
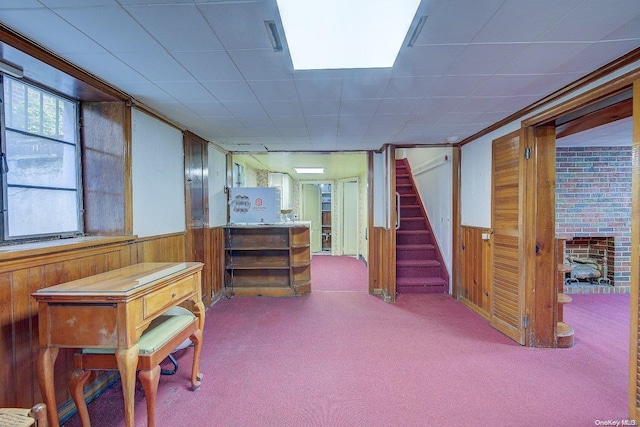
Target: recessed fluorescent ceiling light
x,y
334,34
309,170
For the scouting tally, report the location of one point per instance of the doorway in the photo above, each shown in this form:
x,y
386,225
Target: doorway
x,y
350,218
312,212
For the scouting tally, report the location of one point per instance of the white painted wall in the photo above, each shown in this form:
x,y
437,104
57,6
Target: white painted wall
x,y
217,182
432,169
157,158
380,195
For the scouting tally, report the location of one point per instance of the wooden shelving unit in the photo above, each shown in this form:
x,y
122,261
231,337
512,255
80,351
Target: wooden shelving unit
x,y
267,260
564,332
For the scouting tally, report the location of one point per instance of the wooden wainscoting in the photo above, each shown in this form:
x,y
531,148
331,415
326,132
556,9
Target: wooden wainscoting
x,y
382,274
476,270
26,268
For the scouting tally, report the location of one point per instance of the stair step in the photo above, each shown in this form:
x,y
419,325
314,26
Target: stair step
x,y
412,237
415,252
408,211
418,263
413,223
418,268
564,334
421,285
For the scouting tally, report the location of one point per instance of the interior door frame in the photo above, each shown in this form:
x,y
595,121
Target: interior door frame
x,y
342,183
542,238
538,132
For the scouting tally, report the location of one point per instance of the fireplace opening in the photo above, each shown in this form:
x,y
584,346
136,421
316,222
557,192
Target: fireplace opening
x,y
591,260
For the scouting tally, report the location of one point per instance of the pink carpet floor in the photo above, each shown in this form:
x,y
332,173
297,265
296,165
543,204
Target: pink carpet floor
x,y
349,359
338,273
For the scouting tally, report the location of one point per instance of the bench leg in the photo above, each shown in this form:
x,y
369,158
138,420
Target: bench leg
x,y
149,380
77,379
196,375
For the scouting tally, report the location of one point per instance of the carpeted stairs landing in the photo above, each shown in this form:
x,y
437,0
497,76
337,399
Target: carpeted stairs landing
x,y
419,268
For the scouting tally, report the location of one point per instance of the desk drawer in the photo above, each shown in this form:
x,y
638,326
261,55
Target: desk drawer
x,y
166,298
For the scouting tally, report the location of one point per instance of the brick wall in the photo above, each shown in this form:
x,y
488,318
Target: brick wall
x,y
593,198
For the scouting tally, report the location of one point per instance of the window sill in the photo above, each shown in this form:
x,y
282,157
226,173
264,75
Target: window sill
x,y
51,247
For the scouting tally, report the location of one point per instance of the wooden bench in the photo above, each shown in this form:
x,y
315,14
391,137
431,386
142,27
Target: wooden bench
x,y
161,338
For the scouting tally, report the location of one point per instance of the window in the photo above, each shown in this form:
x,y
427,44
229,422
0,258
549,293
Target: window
x,y
40,163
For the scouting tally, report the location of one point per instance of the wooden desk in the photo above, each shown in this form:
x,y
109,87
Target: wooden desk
x,y
111,310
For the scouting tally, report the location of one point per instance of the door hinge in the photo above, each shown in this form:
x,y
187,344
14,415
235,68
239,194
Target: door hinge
x,y
525,322
527,153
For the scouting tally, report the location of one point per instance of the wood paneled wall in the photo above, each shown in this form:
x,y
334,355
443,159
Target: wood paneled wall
x,y
24,271
382,275
476,270
106,174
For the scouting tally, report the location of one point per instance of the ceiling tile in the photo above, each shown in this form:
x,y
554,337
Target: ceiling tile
x,y
428,60
187,91
289,122
523,21
593,20
595,55
239,25
210,65
245,109
456,21
359,106
208,109
276,109
146,92
264,64
539,58
178,27
354,120
232,90
320,107
156,66
115,30
364,87
274,90
294,132
37,23
507,85
412,87
451,86
107,67
485,58
319,88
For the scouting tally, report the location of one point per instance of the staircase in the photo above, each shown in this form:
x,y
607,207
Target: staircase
x,y
419,266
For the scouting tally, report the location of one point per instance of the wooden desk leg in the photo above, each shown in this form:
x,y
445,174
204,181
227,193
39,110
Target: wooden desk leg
x,y
196,375
198,310
127,360
149,380
77,379
46,361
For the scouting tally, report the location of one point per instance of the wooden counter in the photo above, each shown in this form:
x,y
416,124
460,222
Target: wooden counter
x,y
267,260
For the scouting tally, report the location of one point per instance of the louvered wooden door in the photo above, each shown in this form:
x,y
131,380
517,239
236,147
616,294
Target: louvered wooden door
x,y
507,297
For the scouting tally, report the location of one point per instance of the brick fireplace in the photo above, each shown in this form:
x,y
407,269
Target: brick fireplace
x,y
593,205
599,249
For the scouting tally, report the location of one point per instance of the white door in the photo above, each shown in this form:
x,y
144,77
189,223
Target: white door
x,y
350,218
311,211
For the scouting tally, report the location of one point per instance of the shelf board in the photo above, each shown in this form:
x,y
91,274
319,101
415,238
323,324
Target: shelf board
x,y
256,267
300,245
257,248
299,264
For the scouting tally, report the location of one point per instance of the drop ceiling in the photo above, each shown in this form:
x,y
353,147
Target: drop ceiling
x,y
209,66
